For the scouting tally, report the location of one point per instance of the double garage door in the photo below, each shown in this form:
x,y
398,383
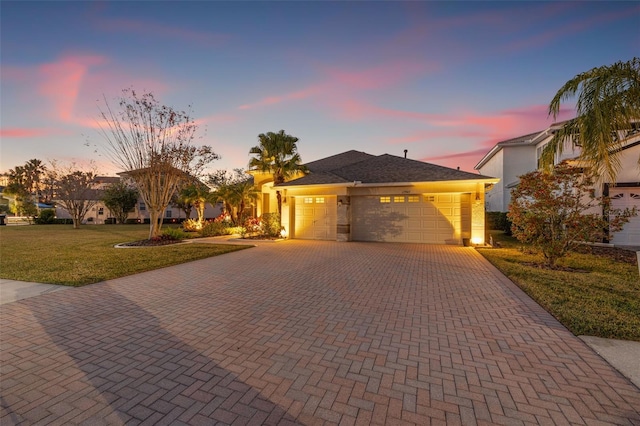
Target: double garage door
x,y
622,198
434,219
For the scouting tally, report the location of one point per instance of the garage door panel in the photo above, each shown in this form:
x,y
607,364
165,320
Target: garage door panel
x,y
622,198
315,218
434,219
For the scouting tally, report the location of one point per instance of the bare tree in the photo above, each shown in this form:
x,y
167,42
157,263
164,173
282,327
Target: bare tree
x,y
74,191
153,143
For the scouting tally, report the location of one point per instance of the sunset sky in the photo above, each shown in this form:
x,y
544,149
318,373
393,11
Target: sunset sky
x,y
444,80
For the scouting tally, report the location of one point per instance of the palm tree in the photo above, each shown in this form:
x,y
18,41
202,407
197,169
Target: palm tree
x,y
608,106
198,195
245,194
235,190
277,154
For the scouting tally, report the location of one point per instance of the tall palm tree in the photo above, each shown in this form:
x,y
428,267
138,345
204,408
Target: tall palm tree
x,y
277,154
608,106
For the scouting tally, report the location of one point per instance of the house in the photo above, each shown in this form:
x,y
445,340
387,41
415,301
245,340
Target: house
x,y
355,196
100,214
512,158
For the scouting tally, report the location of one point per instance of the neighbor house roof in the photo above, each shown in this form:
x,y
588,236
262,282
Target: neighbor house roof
x,y
355,166
530,139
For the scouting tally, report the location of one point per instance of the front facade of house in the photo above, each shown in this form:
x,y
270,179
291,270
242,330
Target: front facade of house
x,y
355,196
514,157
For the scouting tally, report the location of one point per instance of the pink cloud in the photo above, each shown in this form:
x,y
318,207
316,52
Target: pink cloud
x,y
296,95
62,81
544,38
73,86
465,160
339,84
217,119
426,135
386,75
481,131
155,29
22,132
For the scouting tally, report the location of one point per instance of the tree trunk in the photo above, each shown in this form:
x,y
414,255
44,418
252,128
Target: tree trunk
x,y
154,224
76,222
200,211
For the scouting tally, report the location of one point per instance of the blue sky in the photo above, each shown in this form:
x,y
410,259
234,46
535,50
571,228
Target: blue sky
x,y
444,80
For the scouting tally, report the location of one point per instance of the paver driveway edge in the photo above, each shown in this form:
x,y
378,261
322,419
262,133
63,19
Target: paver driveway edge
x,y
305,333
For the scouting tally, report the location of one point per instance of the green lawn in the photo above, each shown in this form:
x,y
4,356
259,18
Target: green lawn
x,y
59,254
600,298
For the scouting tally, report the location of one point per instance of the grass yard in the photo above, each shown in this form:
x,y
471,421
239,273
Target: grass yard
x,y
600,298
59,254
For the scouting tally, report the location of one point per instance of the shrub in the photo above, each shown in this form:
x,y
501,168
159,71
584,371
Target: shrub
x,y
46,216
174,234
270,224
553,211
191,225
67,221
213,229
231,230
252,225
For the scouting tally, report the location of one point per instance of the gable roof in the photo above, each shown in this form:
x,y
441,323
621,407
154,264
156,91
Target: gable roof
x,y
526,140
371,169
337,161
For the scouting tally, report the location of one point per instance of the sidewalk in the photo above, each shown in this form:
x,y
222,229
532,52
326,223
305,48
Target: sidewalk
x,y
11,291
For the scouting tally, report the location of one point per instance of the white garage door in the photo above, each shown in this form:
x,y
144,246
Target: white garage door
x,y
315,218
622,198
434,219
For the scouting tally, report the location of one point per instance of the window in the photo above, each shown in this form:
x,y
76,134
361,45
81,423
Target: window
x,y
100,211
142,207
398,199
429,198
413,199
635,196
319,200
308,200
167,213
385,199
617,196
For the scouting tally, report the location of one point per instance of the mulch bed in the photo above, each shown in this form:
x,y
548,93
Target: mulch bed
x,y
150,243
615,253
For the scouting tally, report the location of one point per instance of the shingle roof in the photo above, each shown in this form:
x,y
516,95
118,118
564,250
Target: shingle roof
x,y
520,139
337,161
384,168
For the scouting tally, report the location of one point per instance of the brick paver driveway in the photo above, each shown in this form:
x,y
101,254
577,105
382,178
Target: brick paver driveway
x,y
305,333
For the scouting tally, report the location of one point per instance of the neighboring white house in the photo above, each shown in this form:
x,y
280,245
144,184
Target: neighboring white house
x,y
514,157
100,214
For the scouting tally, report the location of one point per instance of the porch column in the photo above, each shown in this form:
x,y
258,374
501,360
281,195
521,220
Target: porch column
x,y
477,218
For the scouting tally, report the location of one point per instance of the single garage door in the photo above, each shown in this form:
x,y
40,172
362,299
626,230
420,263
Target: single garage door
x,y
622,198
315,218
434,219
